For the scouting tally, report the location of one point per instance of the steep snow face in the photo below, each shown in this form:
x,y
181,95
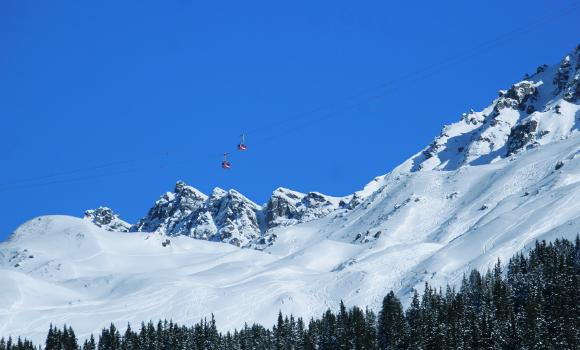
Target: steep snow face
x,y
538,110
105,218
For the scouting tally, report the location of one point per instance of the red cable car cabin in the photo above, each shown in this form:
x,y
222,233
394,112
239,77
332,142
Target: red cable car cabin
x,y
242,145
225,163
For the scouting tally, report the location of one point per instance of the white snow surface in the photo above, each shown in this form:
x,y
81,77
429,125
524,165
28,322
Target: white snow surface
x,y
432,219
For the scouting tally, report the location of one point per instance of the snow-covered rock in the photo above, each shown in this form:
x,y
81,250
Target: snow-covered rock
x,y
107,219
171,210
287,207
230,217
225,216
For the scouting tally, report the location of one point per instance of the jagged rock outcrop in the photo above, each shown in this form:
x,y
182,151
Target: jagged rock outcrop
x,y
520,136
572,91
105,218
171,209
562,74
517,96
235,217
287,207
567,78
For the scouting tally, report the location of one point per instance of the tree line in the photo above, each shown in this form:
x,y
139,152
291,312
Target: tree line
x,y
533,304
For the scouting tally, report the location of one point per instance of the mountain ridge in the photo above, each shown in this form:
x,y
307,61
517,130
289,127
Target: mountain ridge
x,y
521,117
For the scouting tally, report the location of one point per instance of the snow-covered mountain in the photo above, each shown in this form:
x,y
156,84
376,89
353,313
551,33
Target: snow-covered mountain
x,y
487,187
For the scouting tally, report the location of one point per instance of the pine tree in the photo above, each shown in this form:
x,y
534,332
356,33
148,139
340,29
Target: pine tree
x,y
311,340
299,342
280,335
370,335
343,331
392,329
414,317
52,339
327,331
90,344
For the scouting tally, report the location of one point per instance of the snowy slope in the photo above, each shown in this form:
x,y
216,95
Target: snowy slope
x,y
461,203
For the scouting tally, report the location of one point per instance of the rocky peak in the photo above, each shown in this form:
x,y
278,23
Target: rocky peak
x,y
181,189
217,194
235,217
517,96
171,209
281,207
105,218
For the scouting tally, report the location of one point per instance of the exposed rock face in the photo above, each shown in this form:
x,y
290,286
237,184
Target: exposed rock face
x,y
572,91
520,136
171,209
517,96
236,219
563,74
282,206
105,218
287,207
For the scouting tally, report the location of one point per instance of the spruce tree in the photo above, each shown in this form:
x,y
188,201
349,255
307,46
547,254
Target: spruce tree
x,y
90,344
392,329
414,317
343,330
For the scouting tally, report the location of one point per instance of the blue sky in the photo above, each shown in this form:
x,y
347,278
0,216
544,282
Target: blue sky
x,y
110,102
